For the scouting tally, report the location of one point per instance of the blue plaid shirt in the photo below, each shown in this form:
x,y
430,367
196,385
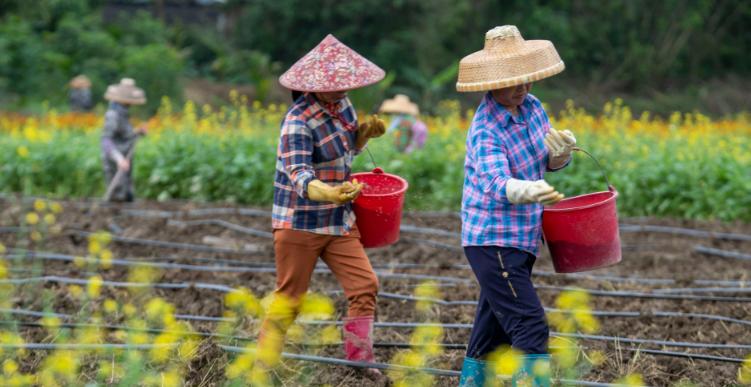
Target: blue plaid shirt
x,y
501,146
314,145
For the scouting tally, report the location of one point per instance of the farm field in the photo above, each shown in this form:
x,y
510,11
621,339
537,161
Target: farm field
x,y
673,310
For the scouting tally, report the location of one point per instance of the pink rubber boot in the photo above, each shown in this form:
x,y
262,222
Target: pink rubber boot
x,y
358,342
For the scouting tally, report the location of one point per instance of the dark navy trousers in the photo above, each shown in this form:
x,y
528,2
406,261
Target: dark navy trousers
x,y
509,311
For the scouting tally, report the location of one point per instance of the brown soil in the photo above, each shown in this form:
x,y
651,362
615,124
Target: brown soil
x,y
645,255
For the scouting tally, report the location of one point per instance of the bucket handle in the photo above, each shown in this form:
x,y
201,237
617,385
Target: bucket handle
x,y
611,188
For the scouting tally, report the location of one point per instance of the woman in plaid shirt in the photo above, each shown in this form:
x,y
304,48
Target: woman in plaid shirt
x,y
312,215
510,146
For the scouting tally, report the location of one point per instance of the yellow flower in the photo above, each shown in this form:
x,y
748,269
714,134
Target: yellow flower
x,y
10,367
744,372
631,380
49,219
110,306
296,334
316,307
94,286
330,335
505,361
597,358
56,208
243,300
94,247
36,236
32,218
109,370
188,350
2,248
161,353
105,259
171,378
129,310
565,352
3,270
75,291
22,151
39,205
79,261
52,323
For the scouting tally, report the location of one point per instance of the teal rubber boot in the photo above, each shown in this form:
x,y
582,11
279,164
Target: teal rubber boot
x,y
535,372
473,373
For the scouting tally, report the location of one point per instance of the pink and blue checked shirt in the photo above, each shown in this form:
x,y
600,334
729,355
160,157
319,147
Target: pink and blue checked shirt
x,y
501,146
314,145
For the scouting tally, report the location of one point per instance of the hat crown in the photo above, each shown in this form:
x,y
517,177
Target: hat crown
x,y
502,36
127,82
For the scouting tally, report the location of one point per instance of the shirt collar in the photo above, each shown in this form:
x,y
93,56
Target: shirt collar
x,y
499,112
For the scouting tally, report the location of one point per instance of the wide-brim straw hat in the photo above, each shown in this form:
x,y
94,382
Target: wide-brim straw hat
x,y
400,104
125,92
507,60
80,82
331,66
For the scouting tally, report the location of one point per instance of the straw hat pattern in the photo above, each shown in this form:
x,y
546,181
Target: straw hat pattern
x,y
80,82
331,66
507,60
400,104
125,92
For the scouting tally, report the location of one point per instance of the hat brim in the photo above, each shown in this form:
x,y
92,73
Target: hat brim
x,y
489,70
120,99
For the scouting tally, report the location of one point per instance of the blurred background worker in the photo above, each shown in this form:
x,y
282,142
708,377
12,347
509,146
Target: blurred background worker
x,y
80,94
119,137
410,133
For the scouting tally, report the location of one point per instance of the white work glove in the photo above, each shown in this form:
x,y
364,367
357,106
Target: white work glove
x,y
560,144
525,192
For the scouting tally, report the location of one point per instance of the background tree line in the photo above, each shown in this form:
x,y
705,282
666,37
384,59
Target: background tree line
x,y
614,47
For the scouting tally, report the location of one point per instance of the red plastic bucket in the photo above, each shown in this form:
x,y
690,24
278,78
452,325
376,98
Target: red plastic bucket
x,y
582,232
379,207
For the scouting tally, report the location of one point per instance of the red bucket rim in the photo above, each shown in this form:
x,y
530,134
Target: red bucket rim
x,y
569,209
405,184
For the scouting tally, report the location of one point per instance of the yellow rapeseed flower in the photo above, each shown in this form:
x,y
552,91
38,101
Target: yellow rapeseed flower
x,y
631,380
188,350
10,367
744,372
94,247
52,323
330,335
596,358
129,310
39,205
316,307
56,208
565,352
3,270
32,218
94,286
22,151
75,291
79,261
505,361
161,353
36,236
49,219
110,306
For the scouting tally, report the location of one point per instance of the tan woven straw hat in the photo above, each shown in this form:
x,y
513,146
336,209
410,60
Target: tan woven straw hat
x,y
507,60
400,104
125,92
80,82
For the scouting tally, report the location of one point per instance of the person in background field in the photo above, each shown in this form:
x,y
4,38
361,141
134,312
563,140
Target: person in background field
x,y
510,146
410,133
80,94
119,137
312,215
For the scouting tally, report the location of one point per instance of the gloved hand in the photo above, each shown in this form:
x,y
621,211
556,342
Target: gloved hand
x,y
339,194
560,144
372,128
526,191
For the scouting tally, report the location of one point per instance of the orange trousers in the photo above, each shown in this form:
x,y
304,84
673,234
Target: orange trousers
x,y
297,253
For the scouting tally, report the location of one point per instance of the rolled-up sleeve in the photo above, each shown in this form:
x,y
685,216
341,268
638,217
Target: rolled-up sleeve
x,y
296,153
492,166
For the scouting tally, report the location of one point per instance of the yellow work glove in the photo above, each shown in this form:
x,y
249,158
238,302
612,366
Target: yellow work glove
x,y
525,192
372,128
560,144
338,194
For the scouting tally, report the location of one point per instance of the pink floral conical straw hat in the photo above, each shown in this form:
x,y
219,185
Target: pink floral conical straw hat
x,y
331,66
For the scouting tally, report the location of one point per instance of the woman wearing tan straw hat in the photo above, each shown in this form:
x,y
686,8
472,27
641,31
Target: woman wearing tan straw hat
x,y
119,137
409,132
312,215
80,94
510,146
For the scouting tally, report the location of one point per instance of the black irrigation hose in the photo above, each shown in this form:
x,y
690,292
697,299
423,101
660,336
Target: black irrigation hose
x,y
173,245
684,232
221,223
722,253
218,268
